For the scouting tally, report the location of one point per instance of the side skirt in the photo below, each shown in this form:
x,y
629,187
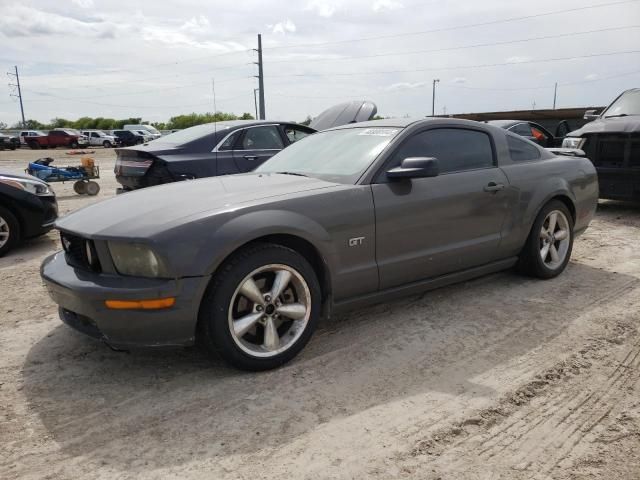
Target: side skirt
x,y
421,286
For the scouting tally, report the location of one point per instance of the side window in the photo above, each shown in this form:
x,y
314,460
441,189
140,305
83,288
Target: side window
x,y
521,150
294,133
262,138
456,149
230,141
522,129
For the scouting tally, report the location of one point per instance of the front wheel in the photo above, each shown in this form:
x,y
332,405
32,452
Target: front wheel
x,y
550,242
74,145
9,230
261,308
106,144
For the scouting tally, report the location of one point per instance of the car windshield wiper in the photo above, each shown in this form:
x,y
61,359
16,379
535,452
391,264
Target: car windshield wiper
x,y
292,173
618,115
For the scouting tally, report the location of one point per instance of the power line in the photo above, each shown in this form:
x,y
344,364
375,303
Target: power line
x,y
458,27
462,47
486,65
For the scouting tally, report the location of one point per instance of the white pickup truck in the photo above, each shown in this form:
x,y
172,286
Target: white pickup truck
x,y
98,137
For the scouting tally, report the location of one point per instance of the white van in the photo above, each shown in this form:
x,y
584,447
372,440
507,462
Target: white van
x,y
147,128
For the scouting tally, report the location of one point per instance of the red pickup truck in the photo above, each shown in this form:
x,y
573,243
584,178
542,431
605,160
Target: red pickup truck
x,y
62,137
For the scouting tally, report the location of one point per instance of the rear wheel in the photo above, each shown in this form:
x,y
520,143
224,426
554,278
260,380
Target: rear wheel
x,y
92,188
80,187
550,242
261,308
9,230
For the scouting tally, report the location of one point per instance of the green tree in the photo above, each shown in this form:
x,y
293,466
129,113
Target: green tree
x,y
306,121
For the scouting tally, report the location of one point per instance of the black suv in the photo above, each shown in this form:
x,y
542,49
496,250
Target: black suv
x,y
612,142
128,137
9,142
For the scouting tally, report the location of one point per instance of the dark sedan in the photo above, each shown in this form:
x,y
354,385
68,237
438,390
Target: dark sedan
x,y
8,142
223,148
28,208
128,138
343,218
207,150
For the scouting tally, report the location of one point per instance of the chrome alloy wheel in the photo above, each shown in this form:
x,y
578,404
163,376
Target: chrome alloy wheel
x,y
269,310
5,232
555,238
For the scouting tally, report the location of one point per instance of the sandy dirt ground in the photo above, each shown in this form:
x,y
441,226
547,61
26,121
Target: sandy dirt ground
x,y
502,377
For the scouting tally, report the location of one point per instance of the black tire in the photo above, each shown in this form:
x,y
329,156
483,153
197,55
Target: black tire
x,y
74,145
531,262
139,141
106,144
80,187
8,224
214,330
33,145
92,188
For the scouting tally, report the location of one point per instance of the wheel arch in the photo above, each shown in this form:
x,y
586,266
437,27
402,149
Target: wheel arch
x,y
8,204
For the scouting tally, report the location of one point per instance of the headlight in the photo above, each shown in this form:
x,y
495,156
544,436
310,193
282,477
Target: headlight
x,y
572,142
32,186
137,260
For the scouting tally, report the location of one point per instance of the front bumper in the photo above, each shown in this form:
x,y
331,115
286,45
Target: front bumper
x,y
81,295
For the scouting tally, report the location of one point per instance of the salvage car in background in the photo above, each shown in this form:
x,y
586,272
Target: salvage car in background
x,y
340,219
58,137
222,148
128,137
9,142
99,138
612,142
529,130
28,208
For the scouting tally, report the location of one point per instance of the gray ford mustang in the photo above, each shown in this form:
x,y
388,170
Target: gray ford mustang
x,y
248,263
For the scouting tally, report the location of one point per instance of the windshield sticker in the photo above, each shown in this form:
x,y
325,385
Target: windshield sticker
x,y
380,132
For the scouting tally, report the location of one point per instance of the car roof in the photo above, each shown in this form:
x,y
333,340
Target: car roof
x,y
406,122
505,123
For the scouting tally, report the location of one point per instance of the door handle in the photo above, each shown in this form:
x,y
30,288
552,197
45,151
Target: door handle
x,y
250,157
494,187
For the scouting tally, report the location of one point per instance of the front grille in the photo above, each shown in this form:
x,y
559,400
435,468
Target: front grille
x,y
80,253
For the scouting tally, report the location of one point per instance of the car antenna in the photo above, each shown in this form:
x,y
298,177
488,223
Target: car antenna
x,y
215,123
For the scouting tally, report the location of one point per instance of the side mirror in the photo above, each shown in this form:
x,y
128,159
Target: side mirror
x,y
415,167
591,114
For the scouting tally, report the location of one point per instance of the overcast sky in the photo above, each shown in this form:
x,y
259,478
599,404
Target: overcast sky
x,y
156,59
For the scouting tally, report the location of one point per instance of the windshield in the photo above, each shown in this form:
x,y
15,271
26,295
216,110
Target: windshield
x,y
626,104
336,155
151,129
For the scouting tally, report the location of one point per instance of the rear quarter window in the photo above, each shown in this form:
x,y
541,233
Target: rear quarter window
x,y
521,150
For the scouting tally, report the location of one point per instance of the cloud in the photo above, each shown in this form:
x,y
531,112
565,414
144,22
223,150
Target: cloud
x,y
404,86
517,59
459,80
386,5
324,8
283,27
22,21
196,24
591,76
83,3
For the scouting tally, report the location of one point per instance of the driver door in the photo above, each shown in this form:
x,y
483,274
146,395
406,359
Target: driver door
x,y
427,227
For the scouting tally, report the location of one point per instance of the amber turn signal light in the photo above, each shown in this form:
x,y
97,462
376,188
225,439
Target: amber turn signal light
x,y
155,304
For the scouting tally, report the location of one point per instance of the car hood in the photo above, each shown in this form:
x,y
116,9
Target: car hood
x,y
630,124
140,214
21,177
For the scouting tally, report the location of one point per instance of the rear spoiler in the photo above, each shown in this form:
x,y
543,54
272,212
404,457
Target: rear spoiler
x,y
567,152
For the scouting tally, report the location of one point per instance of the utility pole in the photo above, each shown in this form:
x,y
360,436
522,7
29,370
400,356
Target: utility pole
x,y
260,76
433,98
555,95
19,95
255,101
